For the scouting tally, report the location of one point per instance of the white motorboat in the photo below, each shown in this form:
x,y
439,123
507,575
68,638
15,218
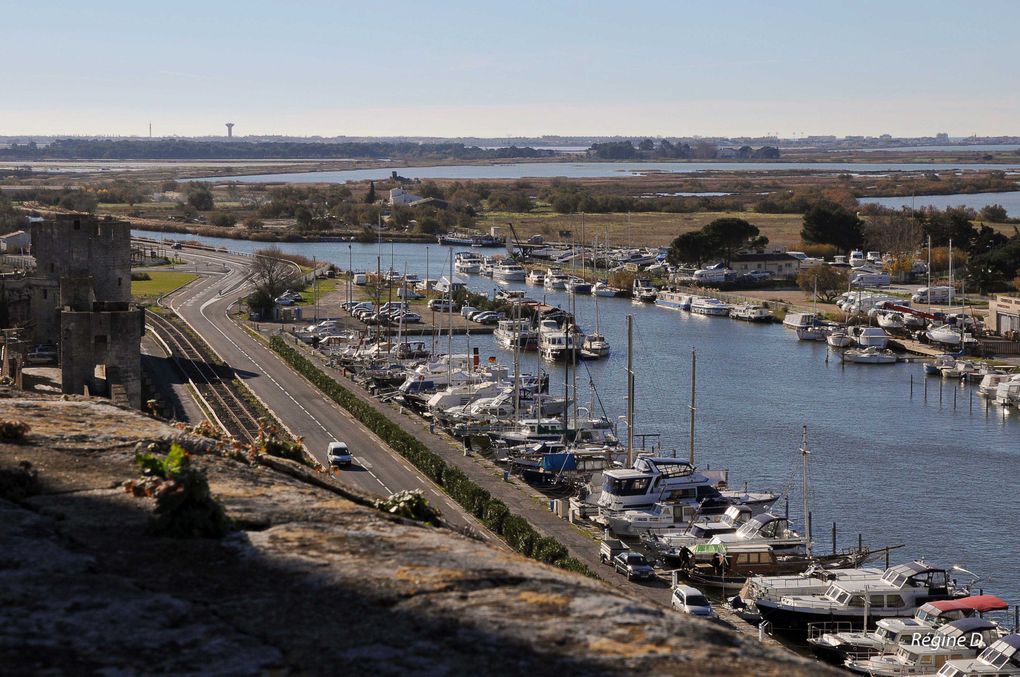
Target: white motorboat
x,y
644,291
868,337
536,277
1001,659
555,279
509,333
1008,392
891,321
990,383
751,312
839,339
467,262
960,369
706,305
595,347
603,289
508,271
554,343
934,367
946,335
654,479
900,591
869,356
954,641
800,320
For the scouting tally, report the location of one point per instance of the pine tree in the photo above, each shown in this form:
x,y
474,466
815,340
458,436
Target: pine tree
x,y
370,198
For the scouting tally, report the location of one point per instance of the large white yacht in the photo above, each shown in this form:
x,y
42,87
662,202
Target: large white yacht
x,y
555,279
957,640
900,591
554,343
467,262
508,270
516,332
706,305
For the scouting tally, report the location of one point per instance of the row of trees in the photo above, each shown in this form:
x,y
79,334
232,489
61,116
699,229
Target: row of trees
x,y
647,149
185,149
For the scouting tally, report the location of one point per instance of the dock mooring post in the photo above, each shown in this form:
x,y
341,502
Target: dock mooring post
x,y
833,538
911,386
925,390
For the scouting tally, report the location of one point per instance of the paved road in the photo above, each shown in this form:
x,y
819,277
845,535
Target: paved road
x,y
300,406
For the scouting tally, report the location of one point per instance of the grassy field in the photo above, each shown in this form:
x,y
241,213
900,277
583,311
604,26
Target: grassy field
x,y
162,282
638,229
325,286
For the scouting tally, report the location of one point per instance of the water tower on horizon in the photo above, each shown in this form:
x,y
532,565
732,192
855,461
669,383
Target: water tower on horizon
x,y
230,130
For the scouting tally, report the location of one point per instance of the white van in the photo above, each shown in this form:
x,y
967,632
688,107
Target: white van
x,y
870,280
360,279
933,295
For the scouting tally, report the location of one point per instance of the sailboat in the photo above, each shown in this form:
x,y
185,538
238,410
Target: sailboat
x,y
816,330
595,345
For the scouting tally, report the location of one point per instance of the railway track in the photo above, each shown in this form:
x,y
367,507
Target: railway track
x,y
214,382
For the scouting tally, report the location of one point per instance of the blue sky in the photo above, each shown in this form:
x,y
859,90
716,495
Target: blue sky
x,y
511,68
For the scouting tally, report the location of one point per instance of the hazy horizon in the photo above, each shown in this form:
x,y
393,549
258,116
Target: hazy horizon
x,y
459,69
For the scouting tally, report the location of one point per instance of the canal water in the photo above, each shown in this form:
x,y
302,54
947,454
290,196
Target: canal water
x,y
575,170
936,474
1010,200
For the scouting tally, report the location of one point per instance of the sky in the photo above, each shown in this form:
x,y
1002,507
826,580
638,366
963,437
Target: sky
x,y
511,68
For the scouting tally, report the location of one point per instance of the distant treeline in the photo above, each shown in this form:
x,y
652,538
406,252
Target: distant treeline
x,y
665,150
182,149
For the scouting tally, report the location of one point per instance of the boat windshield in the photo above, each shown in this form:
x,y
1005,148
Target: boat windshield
x,y
633,486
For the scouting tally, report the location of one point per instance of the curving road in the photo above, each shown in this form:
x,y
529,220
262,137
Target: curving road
x,y
297,404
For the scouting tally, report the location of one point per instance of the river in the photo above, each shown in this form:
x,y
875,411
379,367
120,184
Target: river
x,y
1010,200
582,170
933,474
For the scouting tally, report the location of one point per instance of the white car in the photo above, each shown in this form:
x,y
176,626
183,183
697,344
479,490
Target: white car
x,y
338,454
690,601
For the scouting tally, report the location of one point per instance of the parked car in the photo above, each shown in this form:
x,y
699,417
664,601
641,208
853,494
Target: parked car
x,y
487,317
633,565
407,317
442,305
338,454
284,301
691,601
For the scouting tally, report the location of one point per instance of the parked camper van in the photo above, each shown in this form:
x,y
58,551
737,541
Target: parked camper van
x,y
933,295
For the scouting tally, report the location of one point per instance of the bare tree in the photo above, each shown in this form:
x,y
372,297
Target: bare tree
x,y
271,273
893,232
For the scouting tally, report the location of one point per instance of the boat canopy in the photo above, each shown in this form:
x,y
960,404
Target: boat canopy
x,y
965,625
979,603
707,549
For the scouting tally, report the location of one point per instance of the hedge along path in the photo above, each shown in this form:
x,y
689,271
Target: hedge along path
x,y
495,514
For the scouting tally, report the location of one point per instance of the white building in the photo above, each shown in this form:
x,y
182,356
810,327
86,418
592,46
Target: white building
x,y
18,242
399,196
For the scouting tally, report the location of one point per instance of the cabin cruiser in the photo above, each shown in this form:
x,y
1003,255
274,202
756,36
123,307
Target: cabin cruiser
x,y
868,356
602,288
956,640
704,305
595,347
699,528
755,525
769,527
664,479
800,320
467,262
535,276
868,337
587,432
990,383
673,300
555,343
509,333
555,279
813,581
751,312
1001,659
643,290
829,642
1008,392
946,335
577,285
508,270
900,591
817,332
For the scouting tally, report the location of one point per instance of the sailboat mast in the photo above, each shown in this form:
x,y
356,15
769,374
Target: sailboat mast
x,y
805,452
929,274
517,362
630,391
694,381
449,333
